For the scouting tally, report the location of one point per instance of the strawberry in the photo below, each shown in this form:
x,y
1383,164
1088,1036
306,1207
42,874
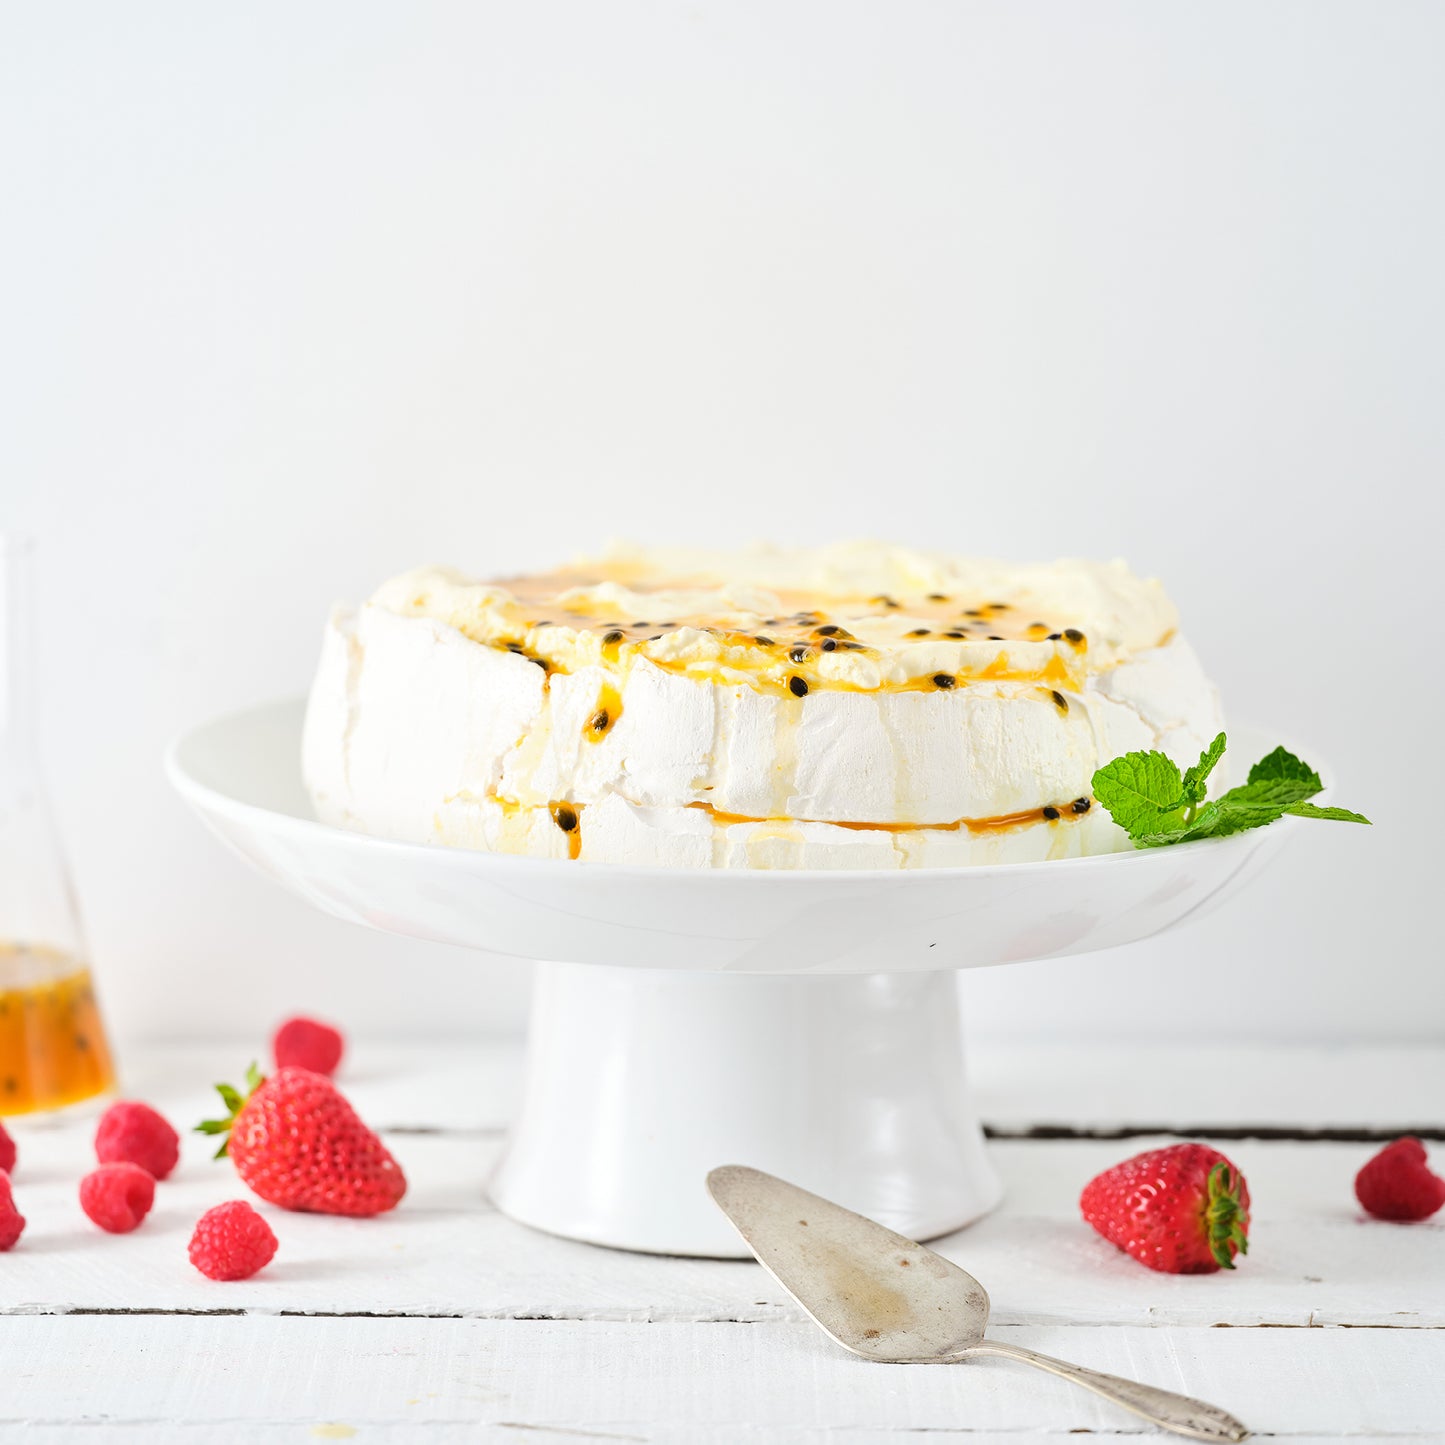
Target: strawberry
x,y
1397,1183
298,1143
1182,1210
307,1044
7,1151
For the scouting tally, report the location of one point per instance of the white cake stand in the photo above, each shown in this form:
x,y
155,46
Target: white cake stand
x,y
805,1023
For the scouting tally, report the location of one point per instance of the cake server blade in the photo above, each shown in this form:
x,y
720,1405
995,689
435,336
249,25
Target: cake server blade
x,y
888,1298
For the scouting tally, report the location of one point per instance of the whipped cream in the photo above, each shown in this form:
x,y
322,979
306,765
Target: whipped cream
x,y
854,706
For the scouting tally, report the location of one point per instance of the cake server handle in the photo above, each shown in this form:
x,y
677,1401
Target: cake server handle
x,y
1179,1413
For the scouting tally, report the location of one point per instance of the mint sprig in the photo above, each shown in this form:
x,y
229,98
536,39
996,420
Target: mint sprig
x,y
1156,804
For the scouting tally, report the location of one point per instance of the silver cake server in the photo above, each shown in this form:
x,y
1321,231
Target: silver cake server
x,y
887,1298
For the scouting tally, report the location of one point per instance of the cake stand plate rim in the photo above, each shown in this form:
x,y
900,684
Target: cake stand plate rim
x,y
207,797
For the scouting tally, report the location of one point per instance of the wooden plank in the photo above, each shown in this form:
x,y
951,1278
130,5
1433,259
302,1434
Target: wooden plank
x,y
448,1087
207,1432
495,1372
665,1382
1099,1085
1315,1259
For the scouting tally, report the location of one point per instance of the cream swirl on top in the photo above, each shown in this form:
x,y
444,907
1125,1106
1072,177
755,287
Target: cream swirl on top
x,y
857,616
765,708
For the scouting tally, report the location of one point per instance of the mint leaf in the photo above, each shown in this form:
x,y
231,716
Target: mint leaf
x,y
1275,782
1217,819
1196,777
1237,818
1272,793
1282,766
1338,815
1205,821
1143,792
1157,806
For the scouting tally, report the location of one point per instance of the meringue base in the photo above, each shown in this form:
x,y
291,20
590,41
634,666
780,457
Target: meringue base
x,y
416,732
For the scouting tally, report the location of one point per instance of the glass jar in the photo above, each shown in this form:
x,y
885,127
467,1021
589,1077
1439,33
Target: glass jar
x,y
53,1048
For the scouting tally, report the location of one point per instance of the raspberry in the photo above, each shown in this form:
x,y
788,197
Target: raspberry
x,y
12,1222
307,1044
7,1151
117,1196
232,1241
1397,1183
131,1133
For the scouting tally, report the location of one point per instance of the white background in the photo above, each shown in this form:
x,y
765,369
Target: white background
x,y
296,297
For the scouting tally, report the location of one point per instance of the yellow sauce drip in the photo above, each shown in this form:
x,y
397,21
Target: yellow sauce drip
x,y
776,680
983,826
604,716
568,817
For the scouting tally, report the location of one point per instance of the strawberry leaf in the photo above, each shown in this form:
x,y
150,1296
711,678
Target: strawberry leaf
x,y
234,1102
1224,1216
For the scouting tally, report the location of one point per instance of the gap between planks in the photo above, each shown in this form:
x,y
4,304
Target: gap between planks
x,y
152,1431
441,1432
1053,1133
596,1318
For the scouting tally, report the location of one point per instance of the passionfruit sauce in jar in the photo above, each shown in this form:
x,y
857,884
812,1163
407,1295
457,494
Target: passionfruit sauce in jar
x,y
53,1049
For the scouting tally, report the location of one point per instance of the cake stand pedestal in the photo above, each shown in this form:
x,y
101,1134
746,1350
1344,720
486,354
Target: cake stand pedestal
x,y
639,1081
805,1023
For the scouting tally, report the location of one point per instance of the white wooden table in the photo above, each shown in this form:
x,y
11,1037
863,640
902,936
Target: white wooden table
x,y
447,1322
